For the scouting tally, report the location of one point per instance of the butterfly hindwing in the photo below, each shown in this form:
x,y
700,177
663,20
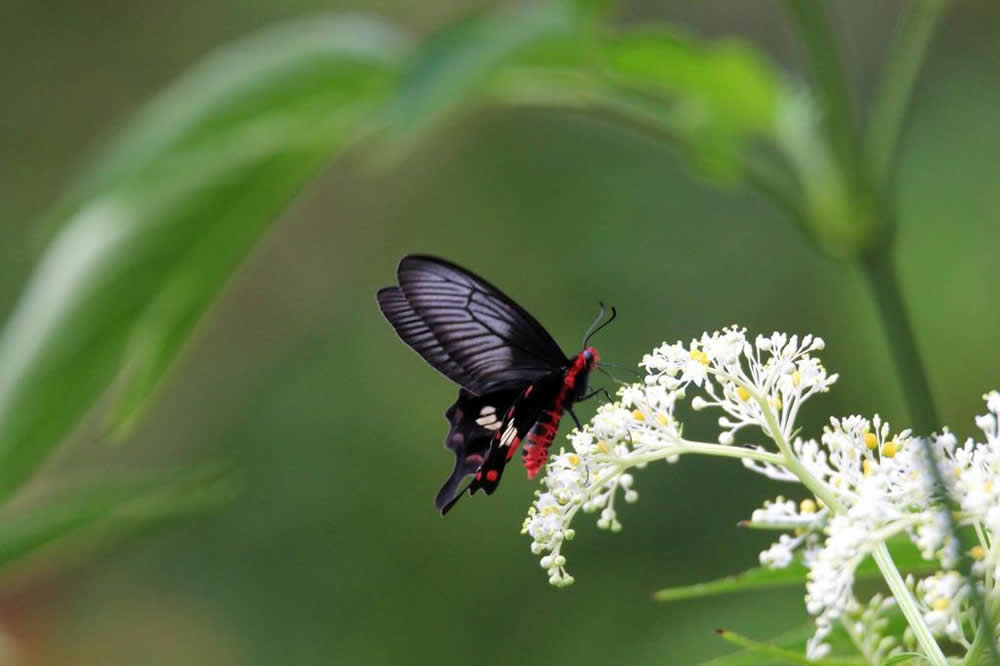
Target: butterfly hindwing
x,y
474,421
519,421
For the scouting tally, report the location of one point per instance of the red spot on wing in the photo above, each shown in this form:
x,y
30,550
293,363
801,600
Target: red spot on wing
x,y
479,475
492,475
513,447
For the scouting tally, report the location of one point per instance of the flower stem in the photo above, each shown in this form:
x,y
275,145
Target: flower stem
x,y
908,605
725,451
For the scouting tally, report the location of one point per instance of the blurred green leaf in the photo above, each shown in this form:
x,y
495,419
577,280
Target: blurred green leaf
x,y
716,95
751,579
791,640
775,652
711,97
459,60
904,554
85,519
166,214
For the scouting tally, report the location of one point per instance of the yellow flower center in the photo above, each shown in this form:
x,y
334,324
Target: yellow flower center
x,y
573,459
866,467
796,378
890,448
663,419
638,416
699,356
940,604
871,441
977,552
603,447
742,393
807,506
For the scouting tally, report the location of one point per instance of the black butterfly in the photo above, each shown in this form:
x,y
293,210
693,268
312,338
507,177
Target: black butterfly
x,y
514,380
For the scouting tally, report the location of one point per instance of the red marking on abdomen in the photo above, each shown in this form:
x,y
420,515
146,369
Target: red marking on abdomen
x,y
536,449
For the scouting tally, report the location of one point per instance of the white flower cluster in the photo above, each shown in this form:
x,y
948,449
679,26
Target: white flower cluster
x,y
740,377
865,483
885,487
621,435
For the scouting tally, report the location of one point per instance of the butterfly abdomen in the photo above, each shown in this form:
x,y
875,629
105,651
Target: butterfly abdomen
x,y
542,434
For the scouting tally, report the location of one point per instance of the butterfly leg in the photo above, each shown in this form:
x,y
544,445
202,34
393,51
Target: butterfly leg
x,y
575,420
597,392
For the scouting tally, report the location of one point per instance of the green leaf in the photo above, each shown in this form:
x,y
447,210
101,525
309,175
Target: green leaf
x,y
774,652
794,639
723,88
904,554
751,579
903,658
82,520
457,62
715,97
155,228
711,97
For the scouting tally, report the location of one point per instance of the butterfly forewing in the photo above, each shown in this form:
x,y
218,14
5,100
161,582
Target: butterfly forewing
x,y
470,330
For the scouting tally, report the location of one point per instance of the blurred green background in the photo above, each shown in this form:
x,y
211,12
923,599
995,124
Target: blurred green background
x,y
334,553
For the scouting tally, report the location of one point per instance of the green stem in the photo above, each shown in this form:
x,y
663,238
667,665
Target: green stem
x,y
831,87
908,605
977,647
898,79
726,451
981,642
883,282
790,460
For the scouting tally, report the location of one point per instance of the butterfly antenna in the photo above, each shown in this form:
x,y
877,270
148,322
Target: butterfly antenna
x,y
611,376
594,328
627,368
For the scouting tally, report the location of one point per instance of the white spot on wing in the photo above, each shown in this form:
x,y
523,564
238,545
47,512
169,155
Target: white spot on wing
x,y
508,435
487,410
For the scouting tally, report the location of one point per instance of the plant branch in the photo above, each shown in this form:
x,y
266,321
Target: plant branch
x,y
883,282
898,78
831,86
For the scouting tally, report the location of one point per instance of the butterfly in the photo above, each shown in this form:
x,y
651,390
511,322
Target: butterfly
x,y
514,380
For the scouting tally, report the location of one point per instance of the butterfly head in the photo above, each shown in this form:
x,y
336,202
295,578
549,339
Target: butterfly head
x,y
578,373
